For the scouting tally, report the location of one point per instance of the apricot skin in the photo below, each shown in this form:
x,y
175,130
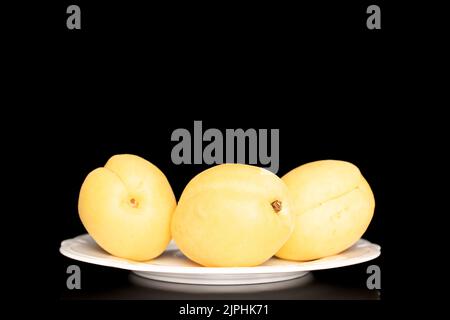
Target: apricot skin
x,y
332,205
225,216
126,206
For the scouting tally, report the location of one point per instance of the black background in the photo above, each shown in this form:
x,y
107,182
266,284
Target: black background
x,y
135,73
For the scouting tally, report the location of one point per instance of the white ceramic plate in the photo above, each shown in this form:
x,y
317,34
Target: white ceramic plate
x,y
173,266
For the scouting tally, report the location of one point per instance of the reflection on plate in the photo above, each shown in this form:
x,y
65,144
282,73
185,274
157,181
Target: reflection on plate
x,y
173,266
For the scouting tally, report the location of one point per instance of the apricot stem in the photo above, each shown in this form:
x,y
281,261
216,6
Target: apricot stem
x,y
276,205
133,202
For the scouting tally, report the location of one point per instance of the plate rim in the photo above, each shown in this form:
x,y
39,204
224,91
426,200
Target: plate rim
x,y
66,250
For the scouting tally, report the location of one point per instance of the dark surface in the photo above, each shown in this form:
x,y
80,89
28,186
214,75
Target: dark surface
x,y
103,283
